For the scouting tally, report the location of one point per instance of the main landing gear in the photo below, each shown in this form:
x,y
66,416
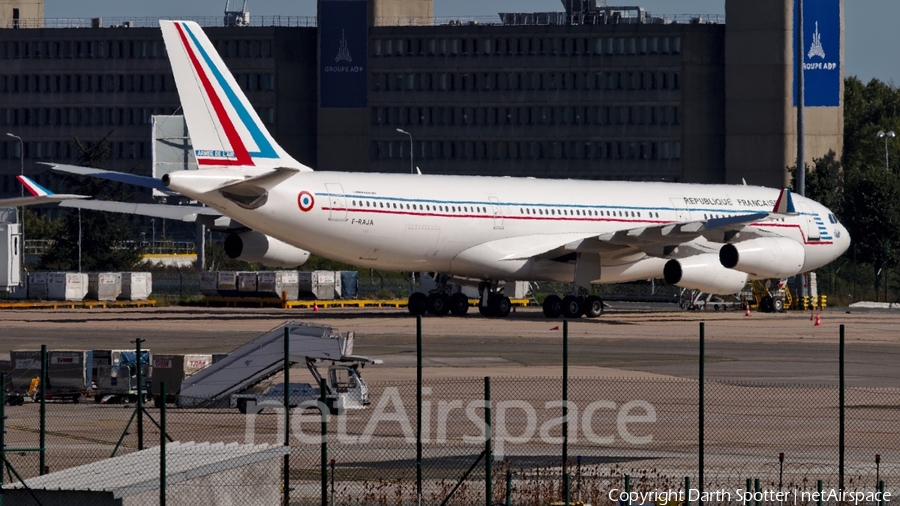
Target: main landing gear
x,y
492,302
572,306
438,304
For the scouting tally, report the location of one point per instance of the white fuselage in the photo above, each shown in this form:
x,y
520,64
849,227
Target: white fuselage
x,y
483,227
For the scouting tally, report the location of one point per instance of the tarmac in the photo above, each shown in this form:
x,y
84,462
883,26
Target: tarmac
x,y
628,340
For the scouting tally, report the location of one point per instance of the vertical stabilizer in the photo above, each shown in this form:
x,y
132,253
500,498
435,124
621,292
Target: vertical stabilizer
x,y
225,130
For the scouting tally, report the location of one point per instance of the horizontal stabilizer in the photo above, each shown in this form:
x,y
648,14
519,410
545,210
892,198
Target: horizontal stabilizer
x,y
111,175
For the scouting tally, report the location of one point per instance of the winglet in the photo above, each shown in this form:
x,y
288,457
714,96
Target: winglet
x,y
784,204
33,188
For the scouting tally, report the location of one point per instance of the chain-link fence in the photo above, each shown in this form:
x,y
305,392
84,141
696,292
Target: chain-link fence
x,y
643,428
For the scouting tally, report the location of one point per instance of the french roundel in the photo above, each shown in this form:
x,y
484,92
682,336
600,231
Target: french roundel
x,y
306,201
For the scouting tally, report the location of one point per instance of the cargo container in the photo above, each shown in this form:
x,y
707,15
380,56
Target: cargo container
x,y
209,282
67,374
349,284
37,285
247,283
227,284
136,285
67,285
118,381
316,285
172,369
274,283
104,285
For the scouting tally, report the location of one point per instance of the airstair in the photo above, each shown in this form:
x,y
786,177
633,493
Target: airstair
x,y
263,357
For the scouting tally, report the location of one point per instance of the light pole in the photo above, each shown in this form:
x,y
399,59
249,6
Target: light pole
x,y
886,135
411,171
21,193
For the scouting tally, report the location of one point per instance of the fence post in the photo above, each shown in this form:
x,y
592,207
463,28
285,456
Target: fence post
x,y
488,454
628,489
702,406
42,391
162,445
140,393
758,496
565,399
286,469
2,432
881,489
687,491
508,487
842,413
324,411
419,410
568,493
819,490
780,470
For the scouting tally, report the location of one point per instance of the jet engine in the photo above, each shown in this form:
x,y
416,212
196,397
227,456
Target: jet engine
x,y
252,246
765,257
704,273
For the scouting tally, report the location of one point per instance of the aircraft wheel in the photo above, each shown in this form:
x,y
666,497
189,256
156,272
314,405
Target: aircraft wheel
x,y
552,306
778,305
593,306
486,310
438,304
459,304
571,307
418,304
501,305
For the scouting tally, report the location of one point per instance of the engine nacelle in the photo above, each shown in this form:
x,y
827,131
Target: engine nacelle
x,y
253,246
704,273
763,258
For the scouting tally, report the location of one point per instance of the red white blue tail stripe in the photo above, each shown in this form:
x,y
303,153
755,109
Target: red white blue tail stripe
x,y
33,188
225,129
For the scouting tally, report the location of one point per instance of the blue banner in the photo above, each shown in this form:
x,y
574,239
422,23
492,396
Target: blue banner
x,y
343,72
821,52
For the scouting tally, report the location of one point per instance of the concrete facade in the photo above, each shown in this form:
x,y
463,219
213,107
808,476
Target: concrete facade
x,y
21,13
589,101
57,85
690,101
761,120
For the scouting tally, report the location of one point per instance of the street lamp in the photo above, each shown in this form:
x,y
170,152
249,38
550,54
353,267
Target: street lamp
x,y
21,192
411,171
886,135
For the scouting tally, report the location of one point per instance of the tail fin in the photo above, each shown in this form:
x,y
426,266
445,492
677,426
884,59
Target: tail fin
x,y
225,129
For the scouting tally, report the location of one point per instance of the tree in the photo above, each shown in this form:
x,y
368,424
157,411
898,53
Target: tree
x,y
106,238
872,216
824,182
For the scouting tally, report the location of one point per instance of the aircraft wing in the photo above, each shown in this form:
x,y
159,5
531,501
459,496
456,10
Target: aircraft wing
x,y
39,195
111,175
169,212
659,240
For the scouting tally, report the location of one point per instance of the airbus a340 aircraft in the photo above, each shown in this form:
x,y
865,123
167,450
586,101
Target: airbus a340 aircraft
x,y
485,230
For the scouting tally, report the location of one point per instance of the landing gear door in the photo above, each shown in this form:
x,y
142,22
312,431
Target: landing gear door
x,y
337,202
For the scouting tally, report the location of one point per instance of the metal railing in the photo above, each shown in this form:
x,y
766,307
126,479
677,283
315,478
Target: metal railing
x,y
151,22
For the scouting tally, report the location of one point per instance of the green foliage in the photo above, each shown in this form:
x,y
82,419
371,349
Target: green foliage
x,y
39,227
102,234
868,109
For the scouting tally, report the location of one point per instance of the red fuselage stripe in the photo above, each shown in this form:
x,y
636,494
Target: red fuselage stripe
x,y
242,156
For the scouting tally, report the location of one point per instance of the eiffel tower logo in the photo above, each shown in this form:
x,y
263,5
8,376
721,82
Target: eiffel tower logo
x,y
343,51
816,48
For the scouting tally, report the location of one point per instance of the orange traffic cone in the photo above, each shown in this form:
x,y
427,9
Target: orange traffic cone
x,y
818,321
315,307
747,310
